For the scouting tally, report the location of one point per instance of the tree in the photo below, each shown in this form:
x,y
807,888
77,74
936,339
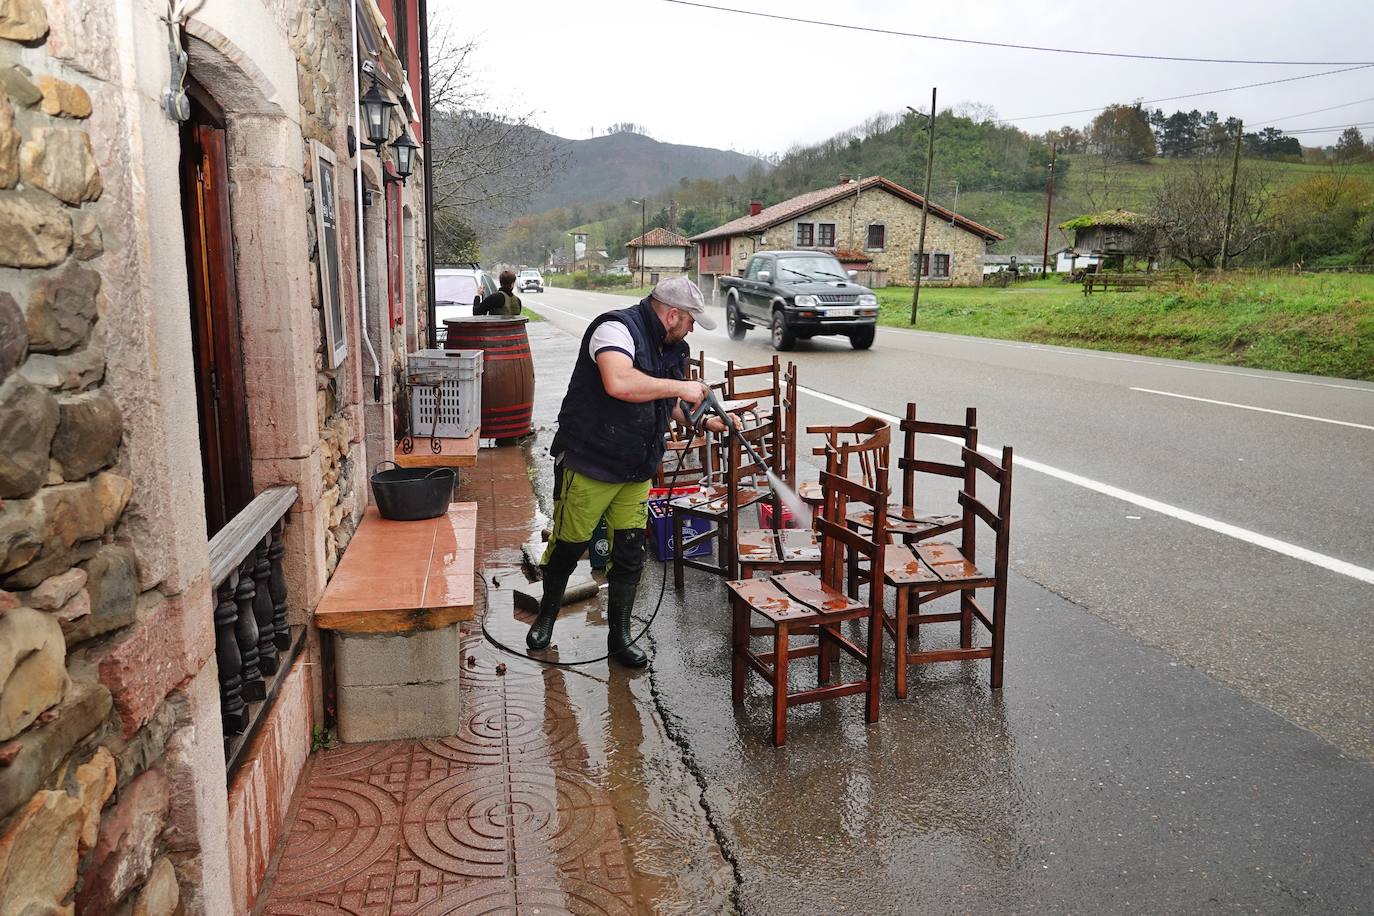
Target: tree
x,y
1271,143
1123,132
1318,217
1188,211
1351,146
485,163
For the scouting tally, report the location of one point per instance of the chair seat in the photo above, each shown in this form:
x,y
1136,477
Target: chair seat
x,y
711,501
787,545
794,596
928,564
810,493
901,520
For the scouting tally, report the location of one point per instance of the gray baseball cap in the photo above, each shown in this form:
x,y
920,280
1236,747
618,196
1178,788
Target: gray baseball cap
x,y
681,293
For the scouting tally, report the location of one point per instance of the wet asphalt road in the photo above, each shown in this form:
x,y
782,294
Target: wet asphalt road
x,y
1112,469
1170,737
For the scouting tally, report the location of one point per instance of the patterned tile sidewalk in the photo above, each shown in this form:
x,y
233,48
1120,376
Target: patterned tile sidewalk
x,y
506,816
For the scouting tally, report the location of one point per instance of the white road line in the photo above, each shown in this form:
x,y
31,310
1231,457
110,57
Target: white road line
x,y
1086,354
1284,548
1282,413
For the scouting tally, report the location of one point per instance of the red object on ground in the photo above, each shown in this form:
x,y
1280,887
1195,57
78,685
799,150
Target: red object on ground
x,y
766,516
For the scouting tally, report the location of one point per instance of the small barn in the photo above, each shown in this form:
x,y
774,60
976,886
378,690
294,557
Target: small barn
x,y
660,254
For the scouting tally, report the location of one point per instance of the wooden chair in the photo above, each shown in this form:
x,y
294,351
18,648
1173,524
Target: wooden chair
x,y
777,387
837,437
903,519
926,570
720,503
814,604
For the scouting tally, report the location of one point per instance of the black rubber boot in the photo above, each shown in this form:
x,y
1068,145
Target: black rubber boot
x,y
557,571
620,605
622,581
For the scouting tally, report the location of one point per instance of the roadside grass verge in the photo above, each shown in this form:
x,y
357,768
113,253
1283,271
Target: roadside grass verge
x,y
1319,325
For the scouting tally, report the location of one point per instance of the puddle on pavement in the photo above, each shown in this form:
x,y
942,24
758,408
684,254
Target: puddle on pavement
x,y
674,862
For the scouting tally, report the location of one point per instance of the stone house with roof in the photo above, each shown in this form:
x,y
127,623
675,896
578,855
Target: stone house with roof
x,y
873,216
661,253
206,287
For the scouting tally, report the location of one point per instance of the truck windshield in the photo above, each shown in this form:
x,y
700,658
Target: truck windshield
x,y
812,268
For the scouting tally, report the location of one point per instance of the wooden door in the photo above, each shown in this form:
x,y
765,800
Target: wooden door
x,y
216,340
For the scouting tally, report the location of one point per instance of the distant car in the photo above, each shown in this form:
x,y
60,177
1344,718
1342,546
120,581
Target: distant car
x,y
456,291
529,279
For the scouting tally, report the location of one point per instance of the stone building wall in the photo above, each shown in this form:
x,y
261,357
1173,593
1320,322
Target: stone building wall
x,y
113,791
852,217
97,719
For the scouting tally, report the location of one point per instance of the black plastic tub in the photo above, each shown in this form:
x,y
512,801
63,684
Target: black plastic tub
x,y
411,494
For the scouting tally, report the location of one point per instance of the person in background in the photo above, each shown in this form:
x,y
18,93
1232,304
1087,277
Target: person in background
x,y
503,301
629,380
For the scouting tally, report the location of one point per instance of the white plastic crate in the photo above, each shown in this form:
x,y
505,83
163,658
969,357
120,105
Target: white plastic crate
x,y
458,375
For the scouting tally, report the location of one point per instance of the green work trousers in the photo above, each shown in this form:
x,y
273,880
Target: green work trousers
x,y
579,502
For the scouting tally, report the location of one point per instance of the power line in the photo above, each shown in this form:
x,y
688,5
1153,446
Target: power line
x,y
1190,95
1303,114
1003,44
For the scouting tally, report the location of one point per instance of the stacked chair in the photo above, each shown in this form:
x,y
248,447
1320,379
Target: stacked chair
x,y
815,604
792,589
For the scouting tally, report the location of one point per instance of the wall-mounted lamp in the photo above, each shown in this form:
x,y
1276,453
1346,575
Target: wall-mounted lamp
x,y
376,117
404,147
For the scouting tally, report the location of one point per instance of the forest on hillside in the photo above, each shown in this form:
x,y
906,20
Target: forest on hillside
x,y
1297,203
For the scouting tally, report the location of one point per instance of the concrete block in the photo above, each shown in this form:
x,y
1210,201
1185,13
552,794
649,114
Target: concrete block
x,y
399,711
370,660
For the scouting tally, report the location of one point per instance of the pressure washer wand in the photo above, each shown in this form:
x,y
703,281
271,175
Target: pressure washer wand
x,y
711,404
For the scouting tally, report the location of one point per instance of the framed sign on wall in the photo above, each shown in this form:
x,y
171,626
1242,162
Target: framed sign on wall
x,y
327,232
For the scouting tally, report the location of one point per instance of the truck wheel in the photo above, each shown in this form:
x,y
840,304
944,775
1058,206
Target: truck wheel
x,y
734,324
862,339
784,338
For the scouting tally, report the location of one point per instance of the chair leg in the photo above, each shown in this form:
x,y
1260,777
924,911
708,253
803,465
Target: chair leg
x,y
874,664
780,685
677,550
999,633
899,638
739,640
965,621
824,650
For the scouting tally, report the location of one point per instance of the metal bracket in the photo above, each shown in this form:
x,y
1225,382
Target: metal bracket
x,y
175,101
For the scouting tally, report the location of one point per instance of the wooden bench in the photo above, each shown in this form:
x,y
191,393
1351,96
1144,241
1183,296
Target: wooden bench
x,y
1120,282
394,605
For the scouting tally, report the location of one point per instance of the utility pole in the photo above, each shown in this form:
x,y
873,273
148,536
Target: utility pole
x,y
1231,200
1049,202
925,209
643,231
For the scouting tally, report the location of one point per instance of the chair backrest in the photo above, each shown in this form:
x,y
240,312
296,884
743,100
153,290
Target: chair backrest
x,y
864,445
739,378
789,423
696,366
910,464
843,547
976,509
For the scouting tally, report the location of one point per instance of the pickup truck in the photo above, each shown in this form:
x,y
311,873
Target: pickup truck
x,y
798,295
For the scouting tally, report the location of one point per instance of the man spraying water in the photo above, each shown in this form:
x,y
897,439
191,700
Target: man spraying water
x,y
630,374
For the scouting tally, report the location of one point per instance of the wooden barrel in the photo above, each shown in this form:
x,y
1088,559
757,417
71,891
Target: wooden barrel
x,y
507,370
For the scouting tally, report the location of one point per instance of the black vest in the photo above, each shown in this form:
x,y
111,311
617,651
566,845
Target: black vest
x,y
609,439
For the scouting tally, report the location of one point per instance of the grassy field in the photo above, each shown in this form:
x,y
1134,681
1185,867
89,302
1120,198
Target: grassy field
x,y
1316,324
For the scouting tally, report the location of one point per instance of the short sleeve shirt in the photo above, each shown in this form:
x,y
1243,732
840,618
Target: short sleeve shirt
x,y
611,335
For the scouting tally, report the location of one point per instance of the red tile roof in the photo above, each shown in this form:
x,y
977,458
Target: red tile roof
x,y
811,200
659,237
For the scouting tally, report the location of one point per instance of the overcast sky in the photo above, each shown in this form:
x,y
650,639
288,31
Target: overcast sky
x,y
709,78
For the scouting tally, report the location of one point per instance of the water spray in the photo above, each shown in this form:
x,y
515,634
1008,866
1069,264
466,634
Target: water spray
x,y
712,405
